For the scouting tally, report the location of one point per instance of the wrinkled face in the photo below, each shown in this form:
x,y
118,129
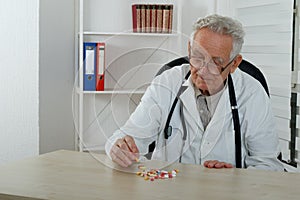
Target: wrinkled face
x,y
210,60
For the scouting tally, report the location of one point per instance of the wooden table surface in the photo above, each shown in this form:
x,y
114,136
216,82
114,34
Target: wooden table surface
x,y
74,175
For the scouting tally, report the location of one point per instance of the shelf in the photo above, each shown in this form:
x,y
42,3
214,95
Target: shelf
x,y
125,50
111,91
129,34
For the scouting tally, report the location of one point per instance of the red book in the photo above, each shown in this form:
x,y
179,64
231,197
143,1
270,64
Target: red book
x,y
136,17
100,66
134,20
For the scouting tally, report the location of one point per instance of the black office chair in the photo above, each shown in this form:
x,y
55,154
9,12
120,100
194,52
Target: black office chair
x,y
245,66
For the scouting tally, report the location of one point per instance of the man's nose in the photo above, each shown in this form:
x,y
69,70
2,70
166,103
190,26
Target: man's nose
x,y
203,70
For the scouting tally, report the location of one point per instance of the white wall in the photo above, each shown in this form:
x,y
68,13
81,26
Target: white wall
x,y
191,11
56,74
268,45
19,79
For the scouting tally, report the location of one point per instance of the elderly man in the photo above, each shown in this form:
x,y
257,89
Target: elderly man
x,y
201,129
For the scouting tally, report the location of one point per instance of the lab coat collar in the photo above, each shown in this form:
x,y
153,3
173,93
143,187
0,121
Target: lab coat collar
x,y
190,107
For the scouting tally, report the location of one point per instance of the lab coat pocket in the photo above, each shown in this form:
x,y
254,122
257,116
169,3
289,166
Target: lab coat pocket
x,y
174,143
169,149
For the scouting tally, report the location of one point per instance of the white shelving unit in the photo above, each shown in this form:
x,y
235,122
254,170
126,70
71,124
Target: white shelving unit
x,y
130,34
132,60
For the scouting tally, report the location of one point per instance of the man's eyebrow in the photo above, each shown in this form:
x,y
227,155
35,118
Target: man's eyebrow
x,y
198,54
197,50
201,54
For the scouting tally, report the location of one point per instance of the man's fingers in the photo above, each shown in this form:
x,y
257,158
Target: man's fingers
x,y
216,164
118,160
119,154
123,144
212,163
124,151
128,145
228,165
219,165
131,144
206,163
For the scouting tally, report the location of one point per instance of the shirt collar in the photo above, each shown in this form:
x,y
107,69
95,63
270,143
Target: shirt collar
x,y
212,100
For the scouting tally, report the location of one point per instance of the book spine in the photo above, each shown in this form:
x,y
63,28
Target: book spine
x,y
134,18
143,18
138,18
159,18
170,28
153,19
148,18
165,21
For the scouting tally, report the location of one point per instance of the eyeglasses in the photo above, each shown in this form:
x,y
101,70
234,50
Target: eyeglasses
x,y
213,66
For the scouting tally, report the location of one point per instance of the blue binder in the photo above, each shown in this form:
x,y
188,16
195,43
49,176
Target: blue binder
x,y
89,66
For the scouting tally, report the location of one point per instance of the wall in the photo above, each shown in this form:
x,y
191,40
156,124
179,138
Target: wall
x,y
191,11
56,74
19,79
268,44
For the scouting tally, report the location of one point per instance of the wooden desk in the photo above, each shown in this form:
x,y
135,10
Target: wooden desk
x,y
74,175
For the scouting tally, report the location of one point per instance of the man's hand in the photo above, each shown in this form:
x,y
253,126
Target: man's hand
x,y
217,164
124,151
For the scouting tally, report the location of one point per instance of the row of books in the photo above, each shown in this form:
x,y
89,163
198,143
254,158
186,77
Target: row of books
x,y
152,18
93,66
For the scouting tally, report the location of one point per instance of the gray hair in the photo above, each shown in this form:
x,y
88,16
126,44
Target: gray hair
x,y
222,25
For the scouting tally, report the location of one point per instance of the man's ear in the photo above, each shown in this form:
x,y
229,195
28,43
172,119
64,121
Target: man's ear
x,y
236,62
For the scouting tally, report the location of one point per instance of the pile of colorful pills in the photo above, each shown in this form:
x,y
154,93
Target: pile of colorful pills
x,y
152,174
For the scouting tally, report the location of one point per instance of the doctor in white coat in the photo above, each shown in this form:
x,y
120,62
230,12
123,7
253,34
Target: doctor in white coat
x,y
203,133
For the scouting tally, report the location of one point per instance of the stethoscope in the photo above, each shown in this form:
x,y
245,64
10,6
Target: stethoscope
x,y
168,128
235,116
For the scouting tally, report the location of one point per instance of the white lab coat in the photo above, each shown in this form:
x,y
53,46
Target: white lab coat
x,y
260,145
